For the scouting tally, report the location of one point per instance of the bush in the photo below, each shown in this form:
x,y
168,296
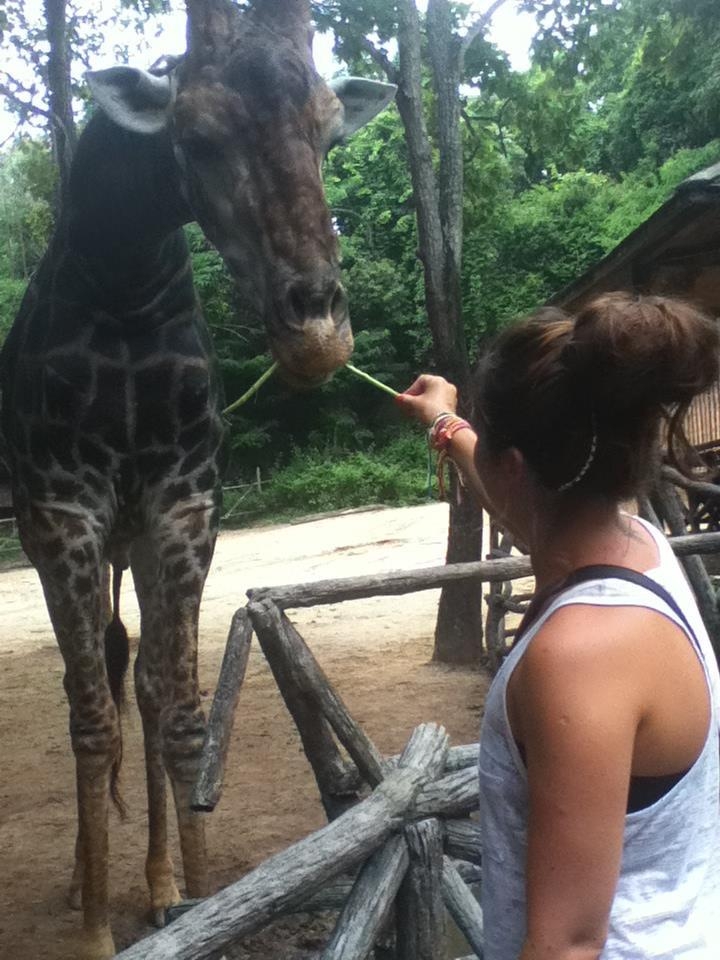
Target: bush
x,y
319,481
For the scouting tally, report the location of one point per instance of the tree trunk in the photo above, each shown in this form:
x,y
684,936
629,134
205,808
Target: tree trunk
x,y
458,632
59,85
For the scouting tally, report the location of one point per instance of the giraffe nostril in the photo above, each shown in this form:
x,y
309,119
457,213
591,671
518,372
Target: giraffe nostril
x,y
315,298
339,305
297,302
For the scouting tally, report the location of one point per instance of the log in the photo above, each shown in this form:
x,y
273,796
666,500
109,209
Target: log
x,y
495,626
463,907
307,676
289,877
647,512
463,840
465,755
330,897
462,756
702,487
699,544
455,795
395,583
420,914
471,873
506,605
672,510
222,713
369,904
337,782
495,645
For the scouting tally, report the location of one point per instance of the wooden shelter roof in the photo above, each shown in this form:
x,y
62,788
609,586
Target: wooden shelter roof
x,y
675,252
681,238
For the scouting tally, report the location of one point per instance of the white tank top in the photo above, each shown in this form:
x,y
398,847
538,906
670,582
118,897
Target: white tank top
x,y
667,901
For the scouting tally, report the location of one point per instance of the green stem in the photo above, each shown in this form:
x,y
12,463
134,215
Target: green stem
x,y
372,380
251,392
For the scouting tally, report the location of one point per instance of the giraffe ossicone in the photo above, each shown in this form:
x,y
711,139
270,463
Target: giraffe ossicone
x,y
111,399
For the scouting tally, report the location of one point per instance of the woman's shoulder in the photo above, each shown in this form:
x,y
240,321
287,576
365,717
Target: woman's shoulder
x,y
578,630
594,652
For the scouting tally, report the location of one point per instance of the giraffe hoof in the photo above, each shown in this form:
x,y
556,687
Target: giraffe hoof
x,y
74,898
96,945
163,900
176,910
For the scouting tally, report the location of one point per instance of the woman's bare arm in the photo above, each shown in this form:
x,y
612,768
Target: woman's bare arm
x,y
575,705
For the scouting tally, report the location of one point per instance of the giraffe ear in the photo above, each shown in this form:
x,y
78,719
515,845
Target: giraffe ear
x,y
363,99
133,99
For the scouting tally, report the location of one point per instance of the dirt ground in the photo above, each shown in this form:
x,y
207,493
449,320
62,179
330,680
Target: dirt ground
x,y
376,651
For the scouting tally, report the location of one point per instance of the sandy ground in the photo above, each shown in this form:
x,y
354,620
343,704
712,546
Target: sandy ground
x,y
376,651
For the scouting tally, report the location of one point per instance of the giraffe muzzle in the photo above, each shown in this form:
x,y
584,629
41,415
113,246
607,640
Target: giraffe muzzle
x,y
313,338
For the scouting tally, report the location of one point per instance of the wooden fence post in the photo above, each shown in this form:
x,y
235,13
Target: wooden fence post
x,y
670,506
463,907
369,904
420,914
337,785
307,676
217,737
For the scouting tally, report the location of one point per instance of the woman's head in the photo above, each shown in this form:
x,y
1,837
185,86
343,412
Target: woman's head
x,y
582,398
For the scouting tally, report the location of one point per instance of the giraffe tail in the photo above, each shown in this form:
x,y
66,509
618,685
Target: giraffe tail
x,y
117,657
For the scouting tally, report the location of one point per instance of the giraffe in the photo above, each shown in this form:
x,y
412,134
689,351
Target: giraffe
x,y
111,399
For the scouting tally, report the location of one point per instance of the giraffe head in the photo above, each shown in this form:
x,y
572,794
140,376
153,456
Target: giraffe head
x,y
251,122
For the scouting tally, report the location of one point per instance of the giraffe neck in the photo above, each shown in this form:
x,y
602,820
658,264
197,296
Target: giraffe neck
x,y
124,191
121,226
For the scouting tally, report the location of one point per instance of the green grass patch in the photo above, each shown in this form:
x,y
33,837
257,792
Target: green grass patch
x,y
322,480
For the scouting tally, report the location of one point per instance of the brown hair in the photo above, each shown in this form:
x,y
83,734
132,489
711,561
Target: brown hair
x,y
583,398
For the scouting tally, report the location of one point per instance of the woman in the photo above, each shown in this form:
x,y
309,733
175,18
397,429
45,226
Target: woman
x,y
599,773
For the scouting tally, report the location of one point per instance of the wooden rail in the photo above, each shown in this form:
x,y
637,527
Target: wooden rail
x,y
399,582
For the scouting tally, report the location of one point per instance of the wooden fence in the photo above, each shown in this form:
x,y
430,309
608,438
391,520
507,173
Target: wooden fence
x,y
401,844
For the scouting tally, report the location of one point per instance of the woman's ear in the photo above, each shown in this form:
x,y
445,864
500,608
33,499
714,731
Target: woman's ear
x,y
514,464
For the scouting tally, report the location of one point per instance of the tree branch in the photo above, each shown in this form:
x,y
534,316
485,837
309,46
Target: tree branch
x,y
477,28
380,58
22,105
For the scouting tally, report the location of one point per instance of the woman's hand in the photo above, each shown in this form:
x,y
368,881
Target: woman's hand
x,y
428,397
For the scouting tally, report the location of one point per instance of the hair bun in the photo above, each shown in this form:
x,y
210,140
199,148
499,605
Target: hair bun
x,y
635,352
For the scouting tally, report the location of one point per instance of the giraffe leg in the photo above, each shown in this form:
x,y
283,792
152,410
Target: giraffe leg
x,y
185,539
75,891
150,691
95,735
65,549
158,865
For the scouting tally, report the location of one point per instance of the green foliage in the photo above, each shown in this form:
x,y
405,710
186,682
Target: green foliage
x,y
548,235
321,480
651,67
11,293
27,182
562,162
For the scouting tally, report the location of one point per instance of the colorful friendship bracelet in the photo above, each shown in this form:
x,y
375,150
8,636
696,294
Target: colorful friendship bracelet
x,y
444,428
